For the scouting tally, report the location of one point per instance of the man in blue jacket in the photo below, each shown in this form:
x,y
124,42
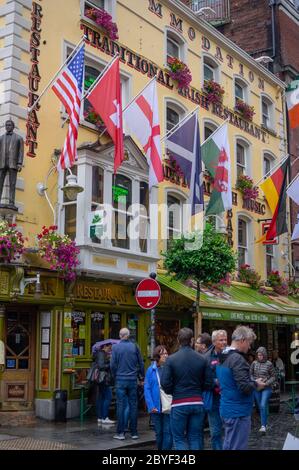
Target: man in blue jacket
x,y
237,389
126,367
185,375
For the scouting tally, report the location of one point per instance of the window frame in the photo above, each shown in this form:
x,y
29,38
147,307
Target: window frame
x,y
265,99
174,36
109,6
213,65
271,159
177,108
184,214
242,84
243,247
246,145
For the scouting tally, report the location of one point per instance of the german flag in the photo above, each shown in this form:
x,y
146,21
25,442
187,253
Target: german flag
x,y
274,189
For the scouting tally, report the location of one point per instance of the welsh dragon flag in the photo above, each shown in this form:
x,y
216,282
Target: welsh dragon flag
x,y
216,157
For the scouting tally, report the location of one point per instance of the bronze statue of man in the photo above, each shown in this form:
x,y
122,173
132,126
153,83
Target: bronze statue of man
x,y
11,159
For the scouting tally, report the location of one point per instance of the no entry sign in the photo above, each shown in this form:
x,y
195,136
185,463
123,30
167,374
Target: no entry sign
x,y
148,293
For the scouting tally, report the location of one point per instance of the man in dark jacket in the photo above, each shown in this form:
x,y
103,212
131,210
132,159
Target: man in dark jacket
x,y
237,389
185,376
126,366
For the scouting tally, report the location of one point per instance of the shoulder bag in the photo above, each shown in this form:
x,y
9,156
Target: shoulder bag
x,y
166,399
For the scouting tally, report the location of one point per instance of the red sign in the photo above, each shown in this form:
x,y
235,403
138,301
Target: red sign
x,y
148,293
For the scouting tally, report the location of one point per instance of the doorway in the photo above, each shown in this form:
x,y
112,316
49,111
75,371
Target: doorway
x,y
18,384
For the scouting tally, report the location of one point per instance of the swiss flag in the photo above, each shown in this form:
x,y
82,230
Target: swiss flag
x,y
106,100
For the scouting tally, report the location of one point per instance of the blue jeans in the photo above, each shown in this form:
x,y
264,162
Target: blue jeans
x,y
126,390
161,422
236,433
262,399
215,423
187,425
126,413
104,395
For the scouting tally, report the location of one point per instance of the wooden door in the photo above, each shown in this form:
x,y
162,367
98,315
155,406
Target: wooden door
x,y
17,385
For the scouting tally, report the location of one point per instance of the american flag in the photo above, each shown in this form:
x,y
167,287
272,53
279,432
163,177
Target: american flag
x,y
68,88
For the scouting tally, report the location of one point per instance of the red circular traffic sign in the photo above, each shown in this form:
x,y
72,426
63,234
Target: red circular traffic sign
x,y
148,293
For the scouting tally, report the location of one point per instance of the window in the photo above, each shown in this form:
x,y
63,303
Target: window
x,y
114,325
144,216
97,327
175,46
267,113
90,76
70,211
97,198
174,114
210,69
18,341
240,90
121,201
242,241
241,159
174,217
79,333
209,129
269,258
267,163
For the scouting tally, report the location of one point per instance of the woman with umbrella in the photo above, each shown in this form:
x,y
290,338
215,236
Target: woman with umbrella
x,y
101,352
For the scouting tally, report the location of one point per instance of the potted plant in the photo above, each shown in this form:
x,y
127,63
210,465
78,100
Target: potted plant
x,y
11,242
249,275
246,187
104,20
179,72
60,251
93,117
244,109
214,92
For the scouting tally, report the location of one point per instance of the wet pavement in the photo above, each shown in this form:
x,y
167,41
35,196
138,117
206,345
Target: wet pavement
x,y
91,436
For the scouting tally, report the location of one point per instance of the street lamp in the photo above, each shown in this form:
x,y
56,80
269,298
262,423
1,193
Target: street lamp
x,y
71,189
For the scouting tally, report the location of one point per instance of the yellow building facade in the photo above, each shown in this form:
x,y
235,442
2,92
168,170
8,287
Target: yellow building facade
x,y
36,38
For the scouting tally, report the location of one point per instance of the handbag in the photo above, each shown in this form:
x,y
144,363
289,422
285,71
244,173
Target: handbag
x,y
165,398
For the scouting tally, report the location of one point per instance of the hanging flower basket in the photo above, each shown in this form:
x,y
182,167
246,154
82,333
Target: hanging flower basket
x,y
59,251
93,117
279,285
179,72
214,92
250,276
11,242
244,109
246,187
104,20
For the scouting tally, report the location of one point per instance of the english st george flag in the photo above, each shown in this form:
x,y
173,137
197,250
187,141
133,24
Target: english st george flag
x,y
216,157
106,101
68,88
142,119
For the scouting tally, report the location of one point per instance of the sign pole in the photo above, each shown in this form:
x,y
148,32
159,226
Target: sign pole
x,y
153,329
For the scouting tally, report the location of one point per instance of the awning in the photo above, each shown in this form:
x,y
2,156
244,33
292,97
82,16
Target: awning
x,y
238,303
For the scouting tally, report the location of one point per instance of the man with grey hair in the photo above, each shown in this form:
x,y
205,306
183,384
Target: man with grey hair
x,y
237,389
126,367
212,399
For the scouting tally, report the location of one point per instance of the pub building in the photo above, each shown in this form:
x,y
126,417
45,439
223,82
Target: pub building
x,y
46,335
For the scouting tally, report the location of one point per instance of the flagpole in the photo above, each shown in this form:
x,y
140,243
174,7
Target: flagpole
x,y
179,124
210,136
135,97
293,181
57,73
92,86
278,164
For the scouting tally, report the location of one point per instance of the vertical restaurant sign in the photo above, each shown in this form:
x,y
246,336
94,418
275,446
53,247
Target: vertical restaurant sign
x,y
34,79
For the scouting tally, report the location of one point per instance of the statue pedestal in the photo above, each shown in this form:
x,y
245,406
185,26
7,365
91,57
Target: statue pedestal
x,y
8,212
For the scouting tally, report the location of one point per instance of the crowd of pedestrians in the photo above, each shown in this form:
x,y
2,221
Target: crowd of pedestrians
x,y
205,380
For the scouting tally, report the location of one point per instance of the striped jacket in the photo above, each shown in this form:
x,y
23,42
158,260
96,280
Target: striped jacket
x,y
264,370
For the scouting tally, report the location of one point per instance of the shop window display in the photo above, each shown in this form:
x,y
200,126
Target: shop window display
x,y
166,333
97,327
79,333
114,325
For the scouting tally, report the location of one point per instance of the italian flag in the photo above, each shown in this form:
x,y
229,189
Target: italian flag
x,y
292,97
215,153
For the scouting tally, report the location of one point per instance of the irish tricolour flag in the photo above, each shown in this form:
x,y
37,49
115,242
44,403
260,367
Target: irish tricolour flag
x,y
292,96
216,157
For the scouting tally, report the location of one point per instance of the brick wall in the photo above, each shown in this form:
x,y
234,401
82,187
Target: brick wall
x,y
250,26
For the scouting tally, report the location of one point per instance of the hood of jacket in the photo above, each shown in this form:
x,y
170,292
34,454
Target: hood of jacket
x,y
262,351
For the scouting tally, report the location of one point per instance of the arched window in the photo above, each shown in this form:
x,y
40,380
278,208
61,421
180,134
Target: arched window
x,y
121,201
268,162
241,90
267,112
242,157
209,128
242,241
175,46
174,114
210,69
175,217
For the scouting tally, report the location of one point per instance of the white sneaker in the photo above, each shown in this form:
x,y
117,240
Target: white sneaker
x,y
262,429
107,421
100,420
121,437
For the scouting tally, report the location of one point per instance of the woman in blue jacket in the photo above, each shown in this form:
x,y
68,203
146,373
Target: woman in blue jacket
x,y
161,421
